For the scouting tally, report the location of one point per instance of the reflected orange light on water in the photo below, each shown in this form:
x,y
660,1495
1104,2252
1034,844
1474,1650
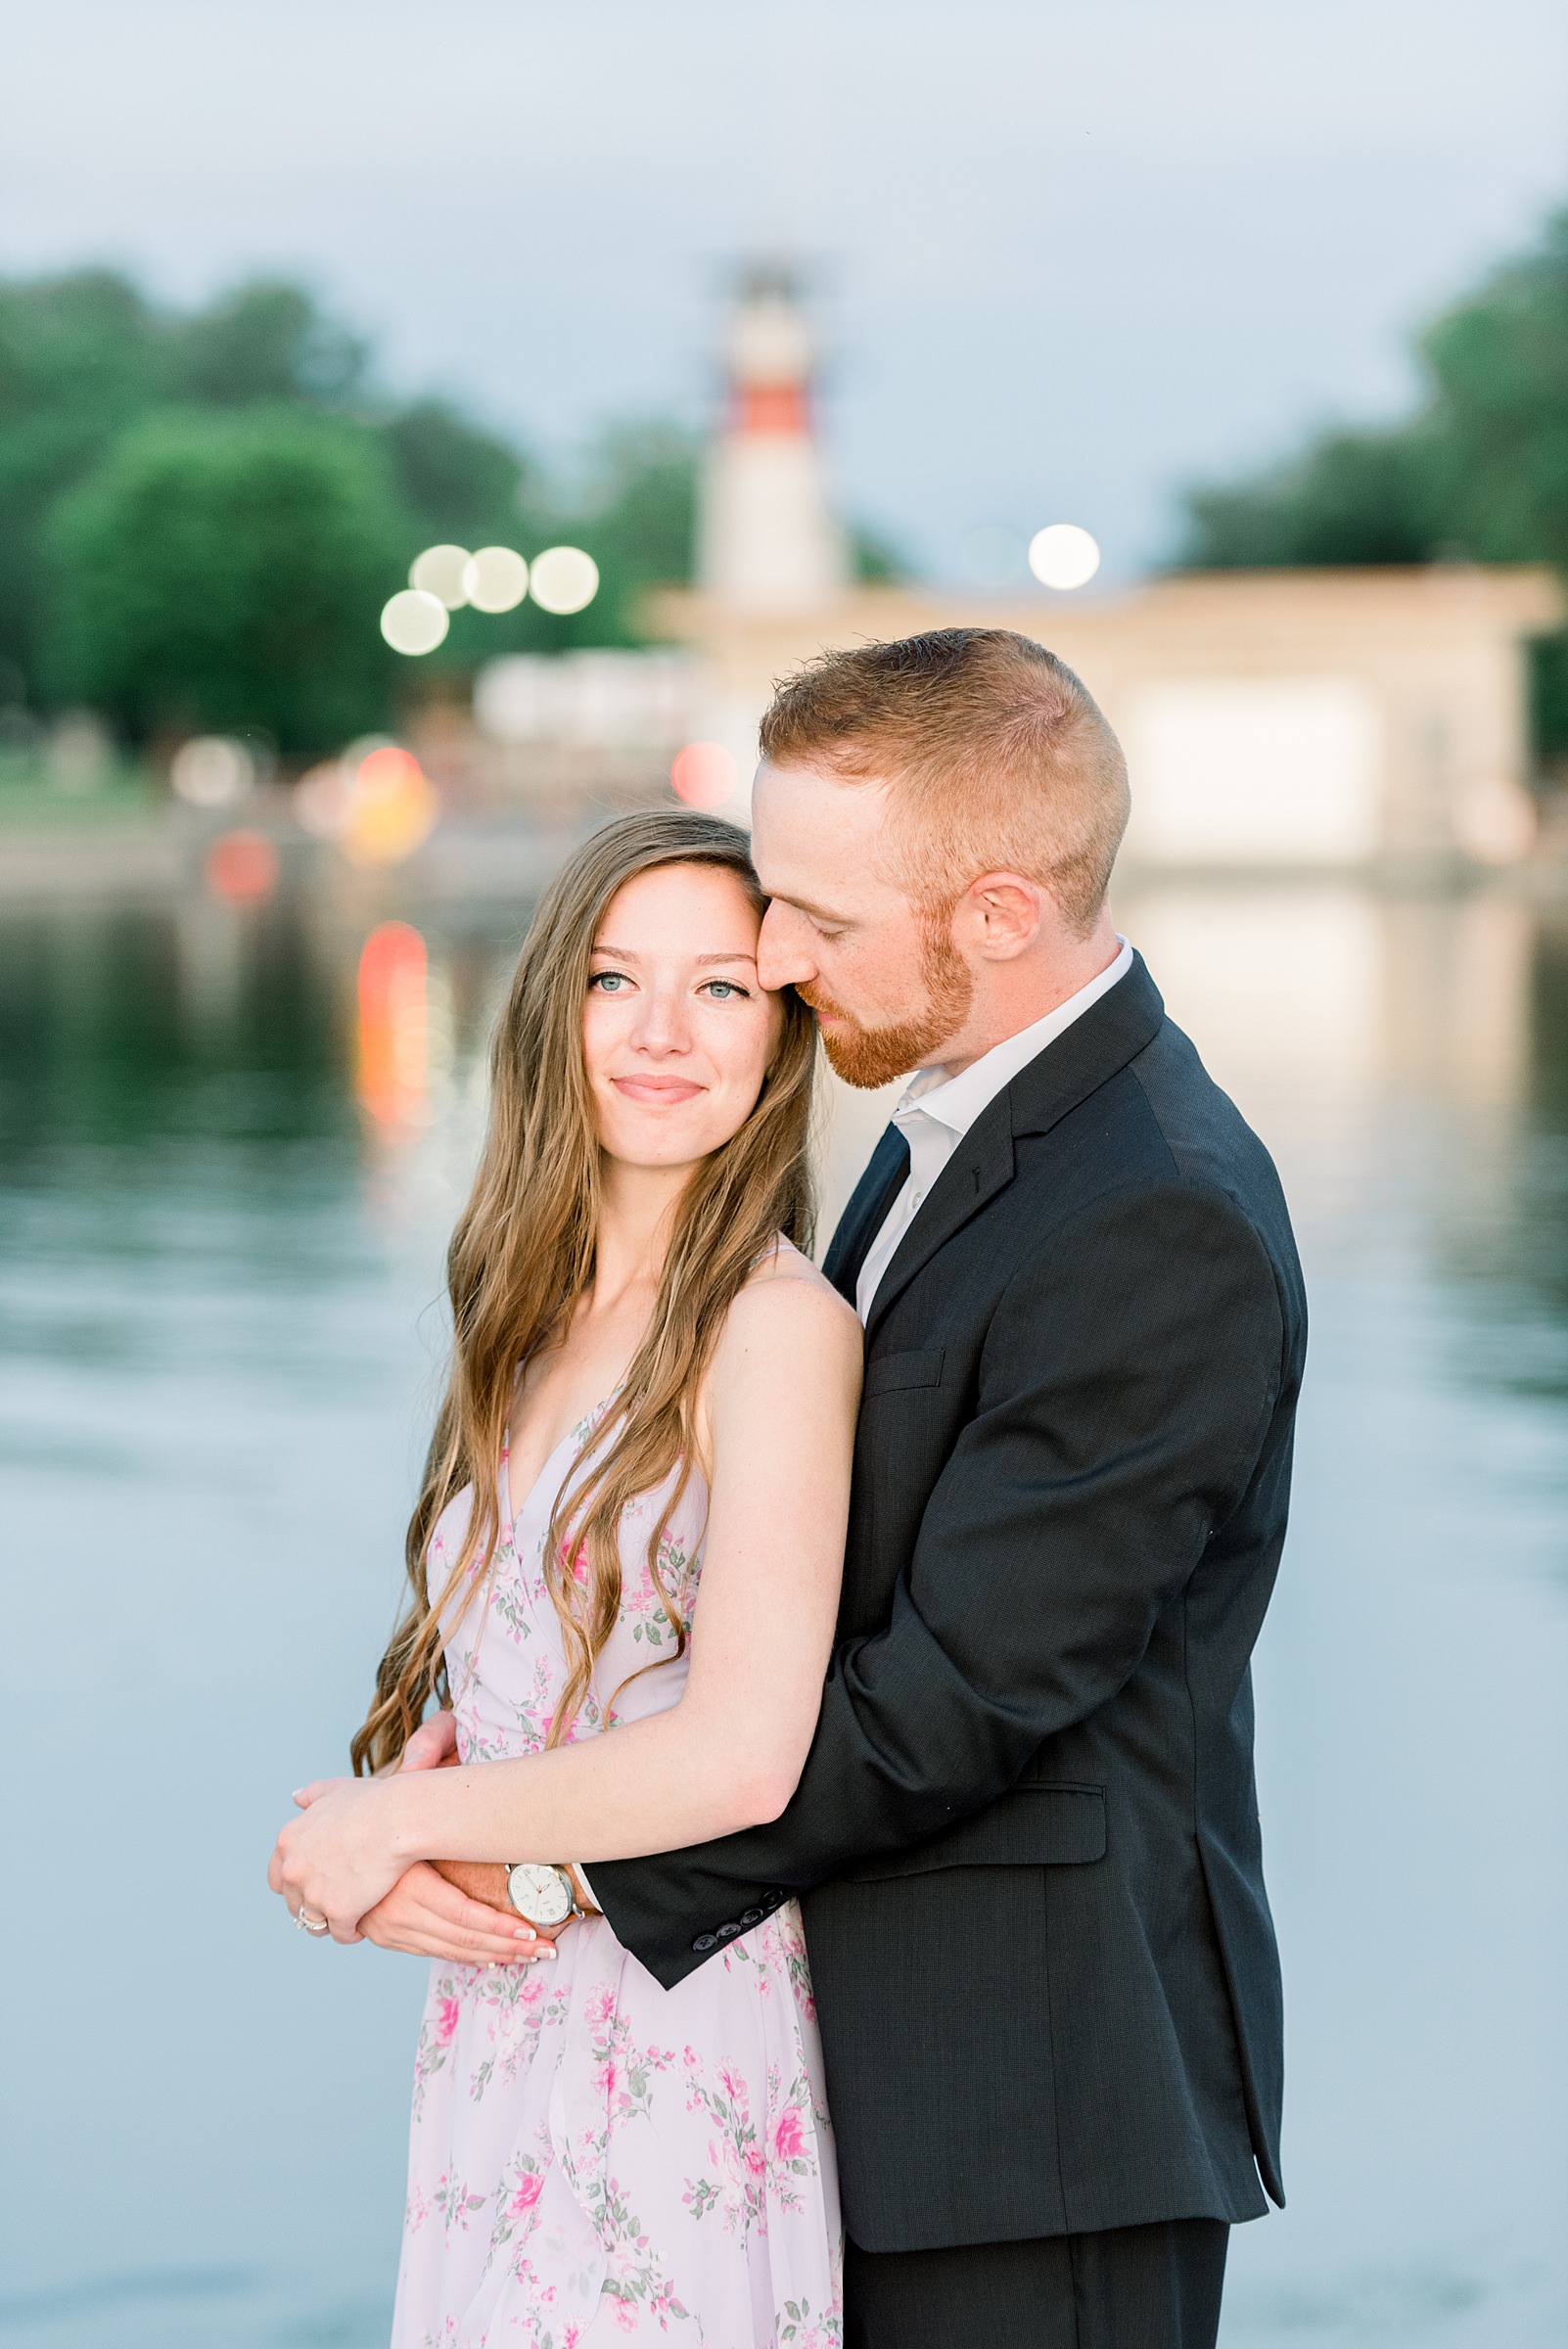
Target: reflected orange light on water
x,y
393,1074
242,866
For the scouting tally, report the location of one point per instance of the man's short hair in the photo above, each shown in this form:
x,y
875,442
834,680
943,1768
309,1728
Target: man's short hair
x,y
997,759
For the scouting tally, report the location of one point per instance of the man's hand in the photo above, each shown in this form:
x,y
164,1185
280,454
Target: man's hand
x,y
428,1916
433,1746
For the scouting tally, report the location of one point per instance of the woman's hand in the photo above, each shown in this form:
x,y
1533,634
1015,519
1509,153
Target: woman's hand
x,y
425,1914
339,1858
429,1917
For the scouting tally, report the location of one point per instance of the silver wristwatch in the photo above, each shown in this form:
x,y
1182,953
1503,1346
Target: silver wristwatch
x,y
542,1893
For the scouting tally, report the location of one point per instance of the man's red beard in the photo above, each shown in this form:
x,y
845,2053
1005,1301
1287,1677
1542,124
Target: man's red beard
x,y
868,1057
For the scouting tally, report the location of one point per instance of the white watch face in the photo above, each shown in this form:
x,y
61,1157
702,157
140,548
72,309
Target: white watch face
x,y
539,1893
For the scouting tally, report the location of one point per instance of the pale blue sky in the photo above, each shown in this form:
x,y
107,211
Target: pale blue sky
x,y
1073,252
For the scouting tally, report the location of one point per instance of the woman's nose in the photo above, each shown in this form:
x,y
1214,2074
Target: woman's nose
x,y
663,1025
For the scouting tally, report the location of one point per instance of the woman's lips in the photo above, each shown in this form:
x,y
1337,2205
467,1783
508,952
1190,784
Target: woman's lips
x,y
663,1092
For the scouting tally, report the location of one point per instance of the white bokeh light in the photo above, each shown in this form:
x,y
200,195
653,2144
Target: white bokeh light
x,y
563,579
438,570
1063,555
495,579
212,770
414,621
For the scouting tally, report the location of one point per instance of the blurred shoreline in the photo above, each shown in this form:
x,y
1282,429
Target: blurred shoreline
x,y
137,843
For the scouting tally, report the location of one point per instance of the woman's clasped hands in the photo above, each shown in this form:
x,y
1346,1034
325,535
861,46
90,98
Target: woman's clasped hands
x,y
339,1862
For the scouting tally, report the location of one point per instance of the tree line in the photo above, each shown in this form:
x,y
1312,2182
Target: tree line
x,y
202,514
1478,474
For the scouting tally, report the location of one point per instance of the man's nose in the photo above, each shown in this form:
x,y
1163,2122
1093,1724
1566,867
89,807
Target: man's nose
x,y
784,956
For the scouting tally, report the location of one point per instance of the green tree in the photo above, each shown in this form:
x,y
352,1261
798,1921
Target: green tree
x,y
1356,498
1480,472
461,484
264,341
228,570
84,358
635,514
81,358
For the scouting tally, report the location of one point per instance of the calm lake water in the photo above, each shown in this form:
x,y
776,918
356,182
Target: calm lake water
x,y
229,1148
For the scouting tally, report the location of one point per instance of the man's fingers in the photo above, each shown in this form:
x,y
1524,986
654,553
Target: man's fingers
x,y
432,1744
455,1908
428,1916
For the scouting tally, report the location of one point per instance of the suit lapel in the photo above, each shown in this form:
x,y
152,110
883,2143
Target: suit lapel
x,y
868,1206
1110,1033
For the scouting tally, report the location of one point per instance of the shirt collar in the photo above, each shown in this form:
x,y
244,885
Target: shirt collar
x,y
958,1101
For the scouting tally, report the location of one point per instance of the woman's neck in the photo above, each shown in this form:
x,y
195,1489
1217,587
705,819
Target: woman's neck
x,y
636,1215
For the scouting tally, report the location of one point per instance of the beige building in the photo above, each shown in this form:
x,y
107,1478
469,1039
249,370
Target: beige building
x,y
1273,720
1282,722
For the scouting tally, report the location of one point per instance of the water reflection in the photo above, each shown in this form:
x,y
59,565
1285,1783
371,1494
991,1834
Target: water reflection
x,y
231,1138
393,1073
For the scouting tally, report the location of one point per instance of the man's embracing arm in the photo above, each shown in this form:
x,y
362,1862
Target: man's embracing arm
x,y
1127,1381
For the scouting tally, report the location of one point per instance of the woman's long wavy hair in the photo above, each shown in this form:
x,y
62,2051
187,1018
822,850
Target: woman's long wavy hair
x,y
523,1256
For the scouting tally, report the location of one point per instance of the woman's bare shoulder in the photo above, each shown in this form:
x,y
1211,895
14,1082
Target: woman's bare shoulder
x,y
785,1284
786,1313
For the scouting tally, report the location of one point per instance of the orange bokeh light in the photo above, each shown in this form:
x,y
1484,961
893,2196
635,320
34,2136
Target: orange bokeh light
x,y
242,866
394,808
704,774
393,1033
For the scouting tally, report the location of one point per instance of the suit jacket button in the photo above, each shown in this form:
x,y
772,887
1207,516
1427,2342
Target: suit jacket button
x,y
705,1942
753,1917
726,1931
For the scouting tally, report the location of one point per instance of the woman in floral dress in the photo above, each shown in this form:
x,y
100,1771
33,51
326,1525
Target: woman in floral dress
x,y
595,2159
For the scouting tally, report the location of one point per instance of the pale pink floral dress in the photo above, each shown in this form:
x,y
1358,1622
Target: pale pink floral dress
x,y
594,2158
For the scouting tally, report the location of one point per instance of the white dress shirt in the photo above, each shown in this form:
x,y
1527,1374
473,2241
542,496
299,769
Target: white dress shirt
x,y
936,1111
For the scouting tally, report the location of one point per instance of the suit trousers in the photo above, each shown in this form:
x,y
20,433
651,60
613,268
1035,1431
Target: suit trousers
x,y
1129,2287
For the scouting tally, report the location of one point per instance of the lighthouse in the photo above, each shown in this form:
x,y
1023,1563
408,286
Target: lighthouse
x,y
767,538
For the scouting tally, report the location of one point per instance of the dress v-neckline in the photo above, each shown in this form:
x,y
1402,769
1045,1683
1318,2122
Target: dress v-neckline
x,y
581,1429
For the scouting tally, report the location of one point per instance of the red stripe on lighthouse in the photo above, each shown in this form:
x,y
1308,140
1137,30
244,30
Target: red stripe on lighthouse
x,y
771,408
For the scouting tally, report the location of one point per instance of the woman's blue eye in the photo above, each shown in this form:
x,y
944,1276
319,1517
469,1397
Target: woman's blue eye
x,y
609,982
722,988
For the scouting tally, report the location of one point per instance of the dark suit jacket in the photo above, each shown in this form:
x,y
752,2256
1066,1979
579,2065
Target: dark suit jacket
x,y
1026,1833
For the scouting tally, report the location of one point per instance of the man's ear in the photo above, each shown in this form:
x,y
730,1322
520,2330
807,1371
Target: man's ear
x,y
1000,916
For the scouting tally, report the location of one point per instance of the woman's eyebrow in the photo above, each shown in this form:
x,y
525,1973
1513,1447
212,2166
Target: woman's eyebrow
x,y
630,954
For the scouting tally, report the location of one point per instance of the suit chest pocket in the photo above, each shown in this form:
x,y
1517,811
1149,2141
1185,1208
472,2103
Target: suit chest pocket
x,y
892,1373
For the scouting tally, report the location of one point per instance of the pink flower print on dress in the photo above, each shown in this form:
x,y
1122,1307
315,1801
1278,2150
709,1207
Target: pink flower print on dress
x,y
447,2016
788,2137
530,2187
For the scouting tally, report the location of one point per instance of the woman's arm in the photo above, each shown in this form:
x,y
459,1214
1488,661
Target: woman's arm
x,y
782,1396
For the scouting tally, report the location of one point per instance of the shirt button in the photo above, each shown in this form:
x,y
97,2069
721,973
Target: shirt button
x,y
704,1942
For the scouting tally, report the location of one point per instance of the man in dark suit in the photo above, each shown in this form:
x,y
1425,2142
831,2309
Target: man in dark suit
x,y
1027,1836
